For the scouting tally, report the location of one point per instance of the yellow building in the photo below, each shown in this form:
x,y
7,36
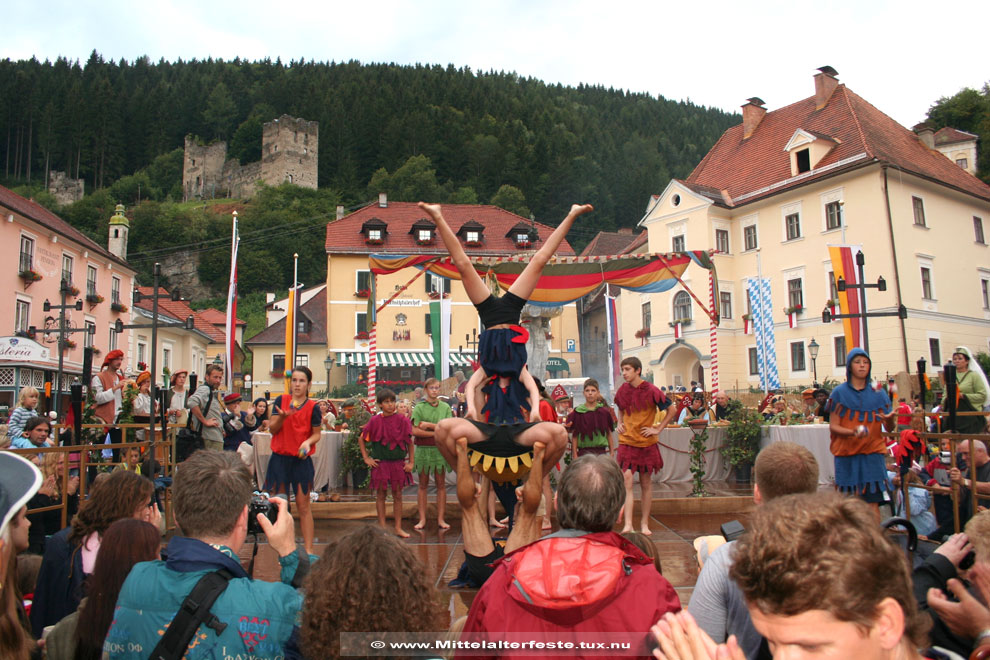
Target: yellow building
x,y
405,343
770,196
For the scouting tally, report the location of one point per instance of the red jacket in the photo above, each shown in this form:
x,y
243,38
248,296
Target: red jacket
x,y
595,583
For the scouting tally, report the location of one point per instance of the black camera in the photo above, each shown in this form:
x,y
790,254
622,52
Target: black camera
x,y
260,504
228,427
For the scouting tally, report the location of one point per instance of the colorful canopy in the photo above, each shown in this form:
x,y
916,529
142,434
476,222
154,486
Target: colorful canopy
x,y
566,279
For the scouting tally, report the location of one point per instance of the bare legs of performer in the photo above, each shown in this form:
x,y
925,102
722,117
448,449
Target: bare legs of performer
x,y
645,501
552,435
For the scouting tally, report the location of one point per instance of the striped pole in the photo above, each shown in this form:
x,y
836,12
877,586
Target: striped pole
x,y
372,344
713,332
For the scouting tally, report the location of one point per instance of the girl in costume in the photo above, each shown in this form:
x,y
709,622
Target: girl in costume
x,y
591,423
425,417
385,442
295,428
694,410
972,389
857,415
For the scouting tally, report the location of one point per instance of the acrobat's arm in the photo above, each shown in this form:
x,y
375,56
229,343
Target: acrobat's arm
x,y
529,383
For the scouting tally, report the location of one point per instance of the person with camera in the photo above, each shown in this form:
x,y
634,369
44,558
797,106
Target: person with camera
x,y
215,511
206,411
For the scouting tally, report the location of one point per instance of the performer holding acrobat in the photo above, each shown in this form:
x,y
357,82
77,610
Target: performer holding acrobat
x,y
506,438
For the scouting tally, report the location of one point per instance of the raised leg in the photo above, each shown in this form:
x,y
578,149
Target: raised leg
x,y
526,282
448,430
476,288
551,434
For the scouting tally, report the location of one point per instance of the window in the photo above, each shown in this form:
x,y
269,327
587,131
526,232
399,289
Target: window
x,y
926,283
374,234
302,360
797,357
754,363
792,223
142,350
360,322
363,280
682,306
935,351
429,326
112,341
962,162
749,302
725,304
833,216
22,315
978,230
722,240
677,244
647,316
27,254
67,269
795,294
472,236
803,160
749,237
437,283
115,291
424,235
919,211
278,363
166,358
985,284
90,280
839,347
833,290
90,334
522,238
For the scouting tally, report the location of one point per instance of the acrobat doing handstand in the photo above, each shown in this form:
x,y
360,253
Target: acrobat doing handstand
x,y
501,445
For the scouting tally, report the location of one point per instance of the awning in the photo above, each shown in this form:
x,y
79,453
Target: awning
x,y
401,359
555,364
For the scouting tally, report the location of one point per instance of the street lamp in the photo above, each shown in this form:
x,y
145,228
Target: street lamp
x,y
247,385
328,363
218,360
813,352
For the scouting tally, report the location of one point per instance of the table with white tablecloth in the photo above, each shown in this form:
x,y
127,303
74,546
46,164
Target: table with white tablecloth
x,y
326,458
813,436
675,449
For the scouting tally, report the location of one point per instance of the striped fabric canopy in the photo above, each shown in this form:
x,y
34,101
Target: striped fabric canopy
x,y
566,279
402,359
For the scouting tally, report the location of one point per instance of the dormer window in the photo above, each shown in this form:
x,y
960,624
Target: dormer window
x,y
523,235
423,230
374,231
424,235
471,233
807,149
803,158
375,234
472,237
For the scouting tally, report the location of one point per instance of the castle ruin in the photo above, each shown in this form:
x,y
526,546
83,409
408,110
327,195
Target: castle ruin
x,y
289,150
65,190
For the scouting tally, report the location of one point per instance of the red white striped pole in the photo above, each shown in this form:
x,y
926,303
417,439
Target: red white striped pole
x,y
372,347
713,332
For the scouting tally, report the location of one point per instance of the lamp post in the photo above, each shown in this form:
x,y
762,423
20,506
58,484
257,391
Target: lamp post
x,y
218,360
247,386
62,331
813,352
328,363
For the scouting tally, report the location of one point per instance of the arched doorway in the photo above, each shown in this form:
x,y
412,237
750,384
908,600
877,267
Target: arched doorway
x,y
680,363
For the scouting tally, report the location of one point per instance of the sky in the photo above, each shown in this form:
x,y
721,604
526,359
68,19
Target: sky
x,y
901,56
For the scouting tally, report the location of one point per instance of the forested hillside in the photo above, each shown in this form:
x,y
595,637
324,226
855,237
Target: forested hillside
x,y
968,110
413,131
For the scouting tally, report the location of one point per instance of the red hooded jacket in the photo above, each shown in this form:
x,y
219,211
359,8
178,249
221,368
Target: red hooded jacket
x,y
593,583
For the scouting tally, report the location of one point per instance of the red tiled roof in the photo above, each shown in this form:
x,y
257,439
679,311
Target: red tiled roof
x,y
315,309
180,310
216,317
641,241
949,135
31,209
345,235
759,166
608,243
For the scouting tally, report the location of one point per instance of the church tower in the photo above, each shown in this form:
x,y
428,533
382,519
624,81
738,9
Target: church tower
x,y
119,226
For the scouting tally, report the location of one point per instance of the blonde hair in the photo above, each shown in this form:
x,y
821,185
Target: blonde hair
x,y
25,393
978,531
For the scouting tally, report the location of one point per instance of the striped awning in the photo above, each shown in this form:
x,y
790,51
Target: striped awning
x,y
401,359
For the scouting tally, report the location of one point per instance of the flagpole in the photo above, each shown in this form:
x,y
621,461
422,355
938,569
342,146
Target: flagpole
x,y
231,320
295,321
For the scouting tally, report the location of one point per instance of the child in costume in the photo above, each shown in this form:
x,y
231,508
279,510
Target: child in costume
x,y
857,414
385,442
638,402
591,424
428,459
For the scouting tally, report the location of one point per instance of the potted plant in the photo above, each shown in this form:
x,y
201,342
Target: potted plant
x,y
642,333
94,298
375,241
472,243
351,461
29,275
794,309
742,439
362,335
681,321
118,307
362,293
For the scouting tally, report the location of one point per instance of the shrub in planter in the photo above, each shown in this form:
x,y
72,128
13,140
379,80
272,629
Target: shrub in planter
x,y
742,435
351,461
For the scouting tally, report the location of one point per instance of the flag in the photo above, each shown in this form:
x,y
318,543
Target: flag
x,y
440,331
614,375
747,326
761,316
678,331
792,319
291,329
844,266
231,326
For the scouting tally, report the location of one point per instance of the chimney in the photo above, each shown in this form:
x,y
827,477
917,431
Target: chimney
x,y
382,200
340,212
753,112
826,80
925,133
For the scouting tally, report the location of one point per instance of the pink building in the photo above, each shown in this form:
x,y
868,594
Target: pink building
x,y
41,250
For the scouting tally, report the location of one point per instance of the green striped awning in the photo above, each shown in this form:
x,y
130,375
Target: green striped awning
x,y
401,359
555,364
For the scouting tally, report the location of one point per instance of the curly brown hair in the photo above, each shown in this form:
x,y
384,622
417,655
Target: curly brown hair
x,y
367,582
121,495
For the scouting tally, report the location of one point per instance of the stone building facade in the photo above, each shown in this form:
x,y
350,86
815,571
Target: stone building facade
x,y
289,148
64,189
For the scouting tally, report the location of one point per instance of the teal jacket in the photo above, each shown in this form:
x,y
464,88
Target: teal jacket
x,y
259,616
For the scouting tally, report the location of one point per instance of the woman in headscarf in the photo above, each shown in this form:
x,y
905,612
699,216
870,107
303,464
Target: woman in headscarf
x,y
972,391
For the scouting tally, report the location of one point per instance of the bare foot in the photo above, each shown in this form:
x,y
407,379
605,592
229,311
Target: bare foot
x,y
579,209
401,533
442,524
432,210
496,523
334,497
645,530
626,530
420,525
504,521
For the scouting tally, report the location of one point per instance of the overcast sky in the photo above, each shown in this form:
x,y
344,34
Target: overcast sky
x,y
900,55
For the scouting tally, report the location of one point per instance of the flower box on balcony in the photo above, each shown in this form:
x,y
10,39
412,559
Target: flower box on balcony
x,y
118,307
680,321
94,298
363,293
424,241
29,275
96,351
523,244
362,335
472,243
747,317
277,374
642,333
794,309
68,344
374,241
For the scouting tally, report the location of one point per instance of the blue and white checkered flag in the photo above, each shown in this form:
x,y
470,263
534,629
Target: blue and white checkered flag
x,y
761,316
